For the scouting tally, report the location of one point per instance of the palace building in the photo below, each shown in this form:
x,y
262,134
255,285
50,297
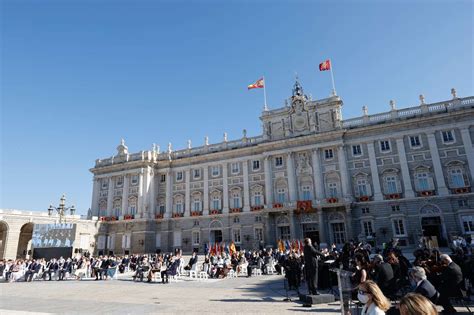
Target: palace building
x,y
404,174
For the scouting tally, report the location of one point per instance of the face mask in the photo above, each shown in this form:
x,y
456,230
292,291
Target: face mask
x,y
363,298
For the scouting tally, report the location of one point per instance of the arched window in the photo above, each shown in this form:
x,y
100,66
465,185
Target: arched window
x,y
236,198
179,204
391,182
281,190
197,203
257,195
361,185
306,188
215,200
332,185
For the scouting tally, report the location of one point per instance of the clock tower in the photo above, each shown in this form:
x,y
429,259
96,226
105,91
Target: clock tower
x,y
301,116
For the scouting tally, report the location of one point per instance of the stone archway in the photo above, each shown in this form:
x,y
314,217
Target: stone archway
x,y
24,241
3,238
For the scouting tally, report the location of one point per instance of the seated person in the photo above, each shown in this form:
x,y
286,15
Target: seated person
x,y
193,260
422,285
170,271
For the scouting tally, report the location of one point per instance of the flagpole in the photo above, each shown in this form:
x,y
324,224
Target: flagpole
x,y
332,79
265,107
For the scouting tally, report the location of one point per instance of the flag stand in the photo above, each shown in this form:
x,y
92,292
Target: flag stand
x,y
265,107
332,79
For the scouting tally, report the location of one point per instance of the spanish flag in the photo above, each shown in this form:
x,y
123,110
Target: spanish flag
x,y
232,248
325,65
260,83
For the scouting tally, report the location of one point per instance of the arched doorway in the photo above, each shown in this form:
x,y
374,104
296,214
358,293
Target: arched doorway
x,y
432,225
215,232
3,238
24,241
310,227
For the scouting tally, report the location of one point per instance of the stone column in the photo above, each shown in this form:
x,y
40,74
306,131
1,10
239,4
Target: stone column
x,y
110,197
267,230
292,217
169,194
341,157
378,196
438,170
466,139
409,193
141,197
246,186
206,191
317,175
348,223
225,189
187,197
12,240
125,194
95,197
322,227
291,178
268,182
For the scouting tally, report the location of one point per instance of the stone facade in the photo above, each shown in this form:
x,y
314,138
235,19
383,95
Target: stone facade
x,y
16,229
402,173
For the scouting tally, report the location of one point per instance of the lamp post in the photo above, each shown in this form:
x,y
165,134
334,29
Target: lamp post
x,y
61,209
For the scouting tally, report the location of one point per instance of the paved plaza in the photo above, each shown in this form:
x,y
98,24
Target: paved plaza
x,y
256,295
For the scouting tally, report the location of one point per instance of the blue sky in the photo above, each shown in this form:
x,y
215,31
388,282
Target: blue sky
x,y
76,76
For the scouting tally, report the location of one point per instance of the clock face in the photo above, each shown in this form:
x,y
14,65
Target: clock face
x,y
299,121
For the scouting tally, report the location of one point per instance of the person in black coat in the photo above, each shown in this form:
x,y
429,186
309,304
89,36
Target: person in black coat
x,y
311,266
193,260
422,284
382,274
451,283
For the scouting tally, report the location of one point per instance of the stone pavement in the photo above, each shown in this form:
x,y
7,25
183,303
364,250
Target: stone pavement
x,y
256,295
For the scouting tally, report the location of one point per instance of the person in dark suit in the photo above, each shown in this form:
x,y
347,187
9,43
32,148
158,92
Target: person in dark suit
x,y
65,268
51,267
193,260
451,283
382,274
170,271
311,256
30,271
422,285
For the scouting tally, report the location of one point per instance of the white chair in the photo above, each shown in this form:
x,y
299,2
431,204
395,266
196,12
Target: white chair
x,y
232,274
257,271
193,272
203,275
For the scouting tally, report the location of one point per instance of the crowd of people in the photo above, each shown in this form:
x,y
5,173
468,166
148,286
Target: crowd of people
x,y
376,278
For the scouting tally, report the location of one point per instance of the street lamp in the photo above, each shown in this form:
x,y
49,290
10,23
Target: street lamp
x,y
61,209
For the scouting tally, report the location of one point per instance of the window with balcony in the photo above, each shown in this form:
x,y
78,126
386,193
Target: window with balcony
x,y
457,177
179,206
197,204
216,203
338,232
257,198
132,206
236,200
362,187
391,184
117,207
281,195
306,192
332,190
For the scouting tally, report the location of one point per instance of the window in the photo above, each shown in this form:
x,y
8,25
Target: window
x,y
119,182
236,200
179,206
259,234
196,238
396,208
197,173
179,176
117,206
422,181
332,190
362,187
391,184
415,142
338,231
385,146
306,193
197,204
216,203
132,206
284,232
448,136
163,178
126,238
356,150
457,178
105,184
215,171
281,195
111,242
278,161
258,218
196,223
328,154
468,223
162,208
462,203
255,165
257,198
368,229
235,168
398,227
236,220
236,236
365,210
135,179
158,240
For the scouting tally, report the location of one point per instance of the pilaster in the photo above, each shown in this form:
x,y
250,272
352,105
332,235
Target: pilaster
x,y
169,194
95,197
438,170
151,194
291,178
225,189
317,175
466,139
206,191
110,197
374,172
246,186
141,202
268,182
409,193
341,157
187,197
322,227
125,194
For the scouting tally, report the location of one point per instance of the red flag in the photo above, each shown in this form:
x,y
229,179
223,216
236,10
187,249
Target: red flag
x,y
260,83
325,65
